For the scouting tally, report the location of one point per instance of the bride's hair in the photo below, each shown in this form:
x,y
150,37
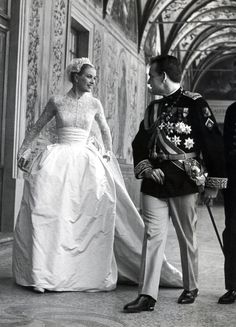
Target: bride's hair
x,y
77,66
83,68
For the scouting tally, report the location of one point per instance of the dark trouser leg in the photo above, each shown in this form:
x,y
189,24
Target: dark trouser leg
x,y
229,236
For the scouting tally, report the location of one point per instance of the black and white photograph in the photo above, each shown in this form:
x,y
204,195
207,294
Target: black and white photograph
x,y
117,163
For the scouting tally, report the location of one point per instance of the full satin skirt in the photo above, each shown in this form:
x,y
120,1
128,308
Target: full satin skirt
x,y
77,226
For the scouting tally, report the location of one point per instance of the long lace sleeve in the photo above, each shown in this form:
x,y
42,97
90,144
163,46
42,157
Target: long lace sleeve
x,y
44,118
105,130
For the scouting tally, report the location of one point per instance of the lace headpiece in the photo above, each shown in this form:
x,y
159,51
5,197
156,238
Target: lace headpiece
x,y
76,65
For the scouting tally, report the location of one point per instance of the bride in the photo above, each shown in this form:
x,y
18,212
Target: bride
x,y
77,228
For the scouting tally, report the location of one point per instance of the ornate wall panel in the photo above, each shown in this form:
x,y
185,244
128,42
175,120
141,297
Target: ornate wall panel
x,y
98,87
35,44
46,56
123,86
56,59
97,61
58,49
110,81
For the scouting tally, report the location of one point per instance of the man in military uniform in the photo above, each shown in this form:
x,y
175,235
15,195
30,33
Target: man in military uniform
x,y
229,234
177,136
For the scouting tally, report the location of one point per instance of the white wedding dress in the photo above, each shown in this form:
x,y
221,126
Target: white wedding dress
x,y
77,228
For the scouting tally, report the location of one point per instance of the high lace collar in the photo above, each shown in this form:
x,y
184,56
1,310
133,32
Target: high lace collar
x,y
71,95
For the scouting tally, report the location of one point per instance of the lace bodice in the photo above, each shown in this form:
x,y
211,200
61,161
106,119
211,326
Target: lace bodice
x,y
71,112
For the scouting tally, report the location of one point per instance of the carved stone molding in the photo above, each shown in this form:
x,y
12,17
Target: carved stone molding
x,y
58,44
110,80
33,60
97,61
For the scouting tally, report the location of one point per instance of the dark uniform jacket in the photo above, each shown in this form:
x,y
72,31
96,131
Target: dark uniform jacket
x,y
230,141
178,129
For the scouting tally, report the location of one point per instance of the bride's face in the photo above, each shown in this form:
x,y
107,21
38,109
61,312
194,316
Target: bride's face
x,y
86,80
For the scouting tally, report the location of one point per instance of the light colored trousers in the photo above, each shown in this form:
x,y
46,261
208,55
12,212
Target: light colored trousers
x,y
156,216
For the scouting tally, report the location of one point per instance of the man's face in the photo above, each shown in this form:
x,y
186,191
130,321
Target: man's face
x,y
155,81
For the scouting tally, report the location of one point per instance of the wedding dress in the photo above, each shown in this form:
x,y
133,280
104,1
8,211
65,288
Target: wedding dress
x,y
77,228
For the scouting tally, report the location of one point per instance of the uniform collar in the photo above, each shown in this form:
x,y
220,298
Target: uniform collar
x,y
173,96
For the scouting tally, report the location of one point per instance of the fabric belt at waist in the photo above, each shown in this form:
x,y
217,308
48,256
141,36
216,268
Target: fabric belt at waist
x,y
181,156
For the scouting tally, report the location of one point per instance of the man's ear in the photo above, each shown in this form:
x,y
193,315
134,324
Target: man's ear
x,y
164,77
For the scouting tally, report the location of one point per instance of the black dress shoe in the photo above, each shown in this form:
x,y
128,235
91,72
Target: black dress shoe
x,y
228,297
142,303
188,297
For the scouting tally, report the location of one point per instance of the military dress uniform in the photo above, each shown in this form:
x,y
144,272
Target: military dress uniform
x,y
179,135
229,234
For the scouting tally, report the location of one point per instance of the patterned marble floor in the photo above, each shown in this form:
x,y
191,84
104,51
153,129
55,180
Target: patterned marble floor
x,y
21,307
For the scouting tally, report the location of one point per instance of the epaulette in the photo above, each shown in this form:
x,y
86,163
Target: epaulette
x,y
192,95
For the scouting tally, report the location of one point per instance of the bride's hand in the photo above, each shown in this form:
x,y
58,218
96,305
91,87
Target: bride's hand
x,y
23,160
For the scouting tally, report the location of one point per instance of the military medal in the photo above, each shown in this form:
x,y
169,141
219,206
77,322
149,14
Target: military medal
x,y
206,112
209,123
185,112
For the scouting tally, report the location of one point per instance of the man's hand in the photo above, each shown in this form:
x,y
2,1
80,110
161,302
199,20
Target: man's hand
x,y
209,194
156,174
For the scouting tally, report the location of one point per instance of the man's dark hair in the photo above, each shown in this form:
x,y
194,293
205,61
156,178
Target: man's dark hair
x,y
168,64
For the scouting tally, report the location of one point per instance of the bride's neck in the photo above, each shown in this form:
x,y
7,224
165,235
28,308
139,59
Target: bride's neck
x,y
75,93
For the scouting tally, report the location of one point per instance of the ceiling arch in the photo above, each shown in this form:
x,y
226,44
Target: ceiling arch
x,y
218,42
151,10
198,32
205,20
